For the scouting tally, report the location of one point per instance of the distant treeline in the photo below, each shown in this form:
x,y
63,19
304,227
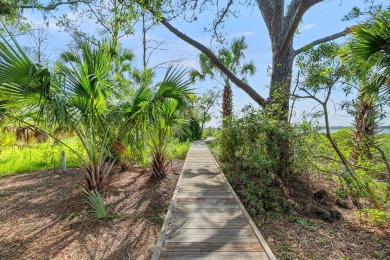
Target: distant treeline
x,y
343,127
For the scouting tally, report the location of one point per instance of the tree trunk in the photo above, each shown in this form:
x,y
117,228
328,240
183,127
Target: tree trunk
x,y
364,121
144,49
282,64
278,107
227,102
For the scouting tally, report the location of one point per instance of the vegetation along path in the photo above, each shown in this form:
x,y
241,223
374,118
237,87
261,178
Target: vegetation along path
x,y
206,219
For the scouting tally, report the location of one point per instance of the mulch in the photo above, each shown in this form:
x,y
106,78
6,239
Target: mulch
x,y
44,216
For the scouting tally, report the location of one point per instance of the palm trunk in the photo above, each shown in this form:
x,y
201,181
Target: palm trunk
x,y
364,121
227,103
227,147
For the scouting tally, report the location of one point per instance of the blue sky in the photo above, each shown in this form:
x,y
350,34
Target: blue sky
x,y
321,20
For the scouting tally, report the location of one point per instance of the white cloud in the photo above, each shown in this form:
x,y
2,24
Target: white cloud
x,y
308,26
240,34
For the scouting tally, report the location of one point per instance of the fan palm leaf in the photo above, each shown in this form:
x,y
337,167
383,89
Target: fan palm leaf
x,y
24,82
372,42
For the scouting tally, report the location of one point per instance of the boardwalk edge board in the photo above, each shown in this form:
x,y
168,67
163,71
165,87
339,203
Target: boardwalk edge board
x,y
160,241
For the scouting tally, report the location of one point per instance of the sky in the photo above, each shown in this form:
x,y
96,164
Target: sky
x,y
321,20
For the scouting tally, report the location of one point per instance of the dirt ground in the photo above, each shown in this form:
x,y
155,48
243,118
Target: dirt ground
x,y
44,216
306,238
295,235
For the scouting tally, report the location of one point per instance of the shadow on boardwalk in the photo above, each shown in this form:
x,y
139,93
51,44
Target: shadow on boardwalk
x,y
206,220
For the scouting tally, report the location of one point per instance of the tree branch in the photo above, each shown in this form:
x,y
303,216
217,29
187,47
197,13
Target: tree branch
x,y
54,5
219,21
266,10
214,59
322,40
295,12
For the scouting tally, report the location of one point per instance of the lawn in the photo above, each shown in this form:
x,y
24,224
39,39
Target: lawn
x,y
35,157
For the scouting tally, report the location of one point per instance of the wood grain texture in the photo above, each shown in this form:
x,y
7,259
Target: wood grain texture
x,y
214,255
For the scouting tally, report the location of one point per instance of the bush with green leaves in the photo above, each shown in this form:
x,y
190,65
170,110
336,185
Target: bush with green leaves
x,y
250,166
178,150
375,217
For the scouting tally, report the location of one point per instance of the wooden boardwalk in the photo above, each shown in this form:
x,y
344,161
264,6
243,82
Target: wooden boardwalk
x,y
206,220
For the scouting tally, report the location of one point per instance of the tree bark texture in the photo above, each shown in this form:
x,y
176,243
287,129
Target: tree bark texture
x,y
227,102
363,121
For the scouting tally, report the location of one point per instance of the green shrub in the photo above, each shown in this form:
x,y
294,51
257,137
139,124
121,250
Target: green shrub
x,y
99,207
374,217
178,150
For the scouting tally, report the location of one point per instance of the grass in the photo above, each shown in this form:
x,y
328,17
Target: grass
x,y
37,157
45,156
178,150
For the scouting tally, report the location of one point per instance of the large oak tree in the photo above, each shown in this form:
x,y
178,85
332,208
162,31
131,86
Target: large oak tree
x,y
281,19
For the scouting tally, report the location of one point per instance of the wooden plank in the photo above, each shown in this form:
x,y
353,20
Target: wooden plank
x,y
207,201
204,186
201,225
176,219
195,188
215,232
214,255
206,192
206,238
207,196
212,247
205,206
206,172
160,241
206,220
208,210
261,239
207,215
203,183
203,176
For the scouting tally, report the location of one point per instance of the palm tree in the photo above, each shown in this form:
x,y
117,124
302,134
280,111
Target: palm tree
x,y
156,112
371,43
369,58
76,96
232,59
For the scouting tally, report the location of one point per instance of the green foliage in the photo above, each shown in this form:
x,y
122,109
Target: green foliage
x,y
113,18
249,166
99,207
36,157
155,115
210,131
375,217
178,150
193,131
371,42
11,16
321,68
